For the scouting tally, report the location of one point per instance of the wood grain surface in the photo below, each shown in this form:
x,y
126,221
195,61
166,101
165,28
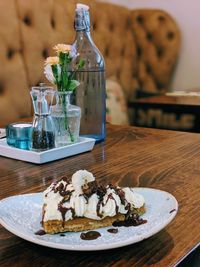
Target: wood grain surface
x,y
131,156
167,99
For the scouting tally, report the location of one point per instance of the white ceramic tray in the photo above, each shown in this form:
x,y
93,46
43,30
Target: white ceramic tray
x,y
84,144
2,133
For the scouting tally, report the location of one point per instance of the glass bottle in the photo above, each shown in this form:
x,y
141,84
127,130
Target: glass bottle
x,y
90,94
66,118
43,130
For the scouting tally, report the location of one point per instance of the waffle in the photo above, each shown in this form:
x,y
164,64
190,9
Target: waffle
x,y
83,224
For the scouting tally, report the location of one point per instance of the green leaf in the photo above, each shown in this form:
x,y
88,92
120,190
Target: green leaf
x,y
81,63
72,85
55,74
61,58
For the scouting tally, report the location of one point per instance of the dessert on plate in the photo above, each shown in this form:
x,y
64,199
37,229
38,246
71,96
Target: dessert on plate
x,y
80,204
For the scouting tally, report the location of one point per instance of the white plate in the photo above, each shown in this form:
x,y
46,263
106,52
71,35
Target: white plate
x,y
21,215
84,144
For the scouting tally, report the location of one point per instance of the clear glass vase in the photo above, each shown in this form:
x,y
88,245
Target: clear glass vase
x,y
66,118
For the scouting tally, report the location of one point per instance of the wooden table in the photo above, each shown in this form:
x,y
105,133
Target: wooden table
x,y
166,160
172,112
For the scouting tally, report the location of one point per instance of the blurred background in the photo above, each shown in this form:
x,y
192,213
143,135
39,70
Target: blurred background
x,y
186,14
151,49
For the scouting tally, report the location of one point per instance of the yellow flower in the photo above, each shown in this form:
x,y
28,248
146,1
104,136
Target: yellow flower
x,y
62,48
52,61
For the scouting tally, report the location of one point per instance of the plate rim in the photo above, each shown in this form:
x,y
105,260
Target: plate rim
x,y
89,247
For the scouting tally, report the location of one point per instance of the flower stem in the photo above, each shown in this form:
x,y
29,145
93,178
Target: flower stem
x,y
66,119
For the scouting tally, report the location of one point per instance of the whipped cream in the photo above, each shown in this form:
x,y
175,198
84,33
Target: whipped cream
x,y
80,179
82,197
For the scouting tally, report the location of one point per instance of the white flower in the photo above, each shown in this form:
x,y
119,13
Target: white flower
x,y
49,73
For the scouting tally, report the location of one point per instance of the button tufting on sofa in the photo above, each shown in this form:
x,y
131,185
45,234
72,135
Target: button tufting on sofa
x,y
1,89
149,36
106,52
10,53
139,51
94,27
53,24
170,35
140,19
45,53
159,51
149,68
161,18
27,20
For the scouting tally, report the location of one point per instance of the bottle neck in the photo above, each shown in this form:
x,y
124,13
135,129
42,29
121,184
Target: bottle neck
x,y
63,98
82,20
83,36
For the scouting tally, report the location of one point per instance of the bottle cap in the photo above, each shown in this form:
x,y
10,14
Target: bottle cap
x,y
82,18
81,6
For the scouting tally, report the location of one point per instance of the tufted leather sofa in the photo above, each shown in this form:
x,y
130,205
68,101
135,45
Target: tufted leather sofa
x,y
140,47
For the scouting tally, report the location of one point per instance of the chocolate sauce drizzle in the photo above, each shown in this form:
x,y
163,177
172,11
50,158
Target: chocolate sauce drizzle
x,y
91,235
132,220
64,210
172,210
40,232
113,230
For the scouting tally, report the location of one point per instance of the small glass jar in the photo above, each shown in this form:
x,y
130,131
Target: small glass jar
x,y
43,131
19,135
66,118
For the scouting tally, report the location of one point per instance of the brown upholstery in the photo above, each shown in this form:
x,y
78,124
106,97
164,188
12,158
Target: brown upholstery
x,y
158,40
14,93
140,46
